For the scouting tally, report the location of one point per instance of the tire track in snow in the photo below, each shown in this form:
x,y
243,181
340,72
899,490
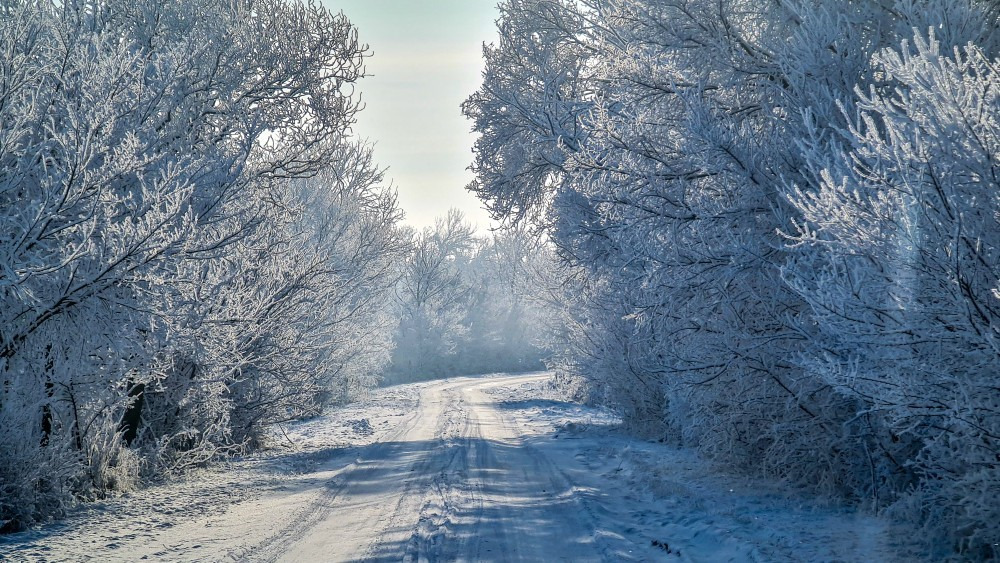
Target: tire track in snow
x,y
426,475
558,480
316,510
451,490
454,491
457,480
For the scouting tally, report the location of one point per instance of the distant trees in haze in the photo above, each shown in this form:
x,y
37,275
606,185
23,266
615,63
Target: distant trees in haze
x,y
777,227
466,304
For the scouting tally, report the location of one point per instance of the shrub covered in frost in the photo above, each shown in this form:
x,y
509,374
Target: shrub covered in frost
x,y
777,226
166,287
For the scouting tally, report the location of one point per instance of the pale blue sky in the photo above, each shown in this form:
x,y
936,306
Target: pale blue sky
x,y
427,60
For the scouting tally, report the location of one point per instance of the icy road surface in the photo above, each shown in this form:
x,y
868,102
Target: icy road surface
x,y
476,469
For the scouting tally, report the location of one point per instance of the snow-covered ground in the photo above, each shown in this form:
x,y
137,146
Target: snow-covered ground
x,y
475,468
655,495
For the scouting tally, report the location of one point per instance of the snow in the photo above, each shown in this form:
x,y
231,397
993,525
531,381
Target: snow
x,y
669,498
156,522
483,468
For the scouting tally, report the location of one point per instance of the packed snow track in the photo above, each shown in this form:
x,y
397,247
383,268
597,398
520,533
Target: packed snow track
x,y
453,481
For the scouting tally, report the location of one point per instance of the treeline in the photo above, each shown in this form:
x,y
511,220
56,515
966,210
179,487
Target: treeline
x,y
468,303
779,225
191,246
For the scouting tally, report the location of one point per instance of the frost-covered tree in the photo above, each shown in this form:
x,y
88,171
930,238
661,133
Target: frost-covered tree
x,y
433,293
661,166
466,302
900,264
164,289
506,320
658,142
307,324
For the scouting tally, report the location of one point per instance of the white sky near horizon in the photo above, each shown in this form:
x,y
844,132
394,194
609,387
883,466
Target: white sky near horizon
x,y
426,59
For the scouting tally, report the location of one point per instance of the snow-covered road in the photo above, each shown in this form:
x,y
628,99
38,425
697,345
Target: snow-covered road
x,y
497,468
452,481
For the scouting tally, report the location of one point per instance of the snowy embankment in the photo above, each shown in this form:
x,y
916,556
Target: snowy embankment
x,y
449,470
162,521
657,495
